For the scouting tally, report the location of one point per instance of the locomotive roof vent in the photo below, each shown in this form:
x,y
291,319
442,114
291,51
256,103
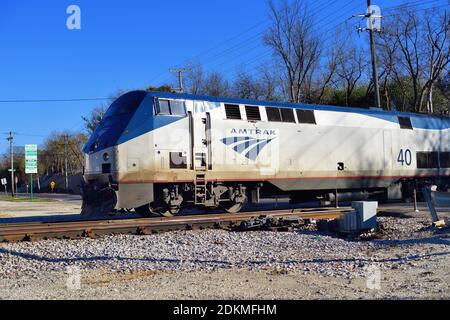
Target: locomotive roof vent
x,y
405,123
233,112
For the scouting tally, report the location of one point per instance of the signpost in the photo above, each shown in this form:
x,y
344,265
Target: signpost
x,y
31,163
3,180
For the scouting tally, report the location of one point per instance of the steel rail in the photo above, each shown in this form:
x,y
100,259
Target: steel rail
x,y
51,219
92,228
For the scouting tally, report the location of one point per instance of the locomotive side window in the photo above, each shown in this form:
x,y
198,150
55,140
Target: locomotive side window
x,y
405,123
232,111
306,116
444,159
273,114
427,160
163,107
252,113
170,107
287,115
177,108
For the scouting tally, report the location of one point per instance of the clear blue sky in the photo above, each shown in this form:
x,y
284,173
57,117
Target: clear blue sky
x,y
124,45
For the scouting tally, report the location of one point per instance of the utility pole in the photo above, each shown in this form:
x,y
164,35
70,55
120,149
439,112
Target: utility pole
x,y
180,72
370,16
66,138
374,56
10,139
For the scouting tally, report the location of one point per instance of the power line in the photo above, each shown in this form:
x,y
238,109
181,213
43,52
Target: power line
x,y
255,37
418,9
268,52
234,48
410,4
51,100
215,47
31,134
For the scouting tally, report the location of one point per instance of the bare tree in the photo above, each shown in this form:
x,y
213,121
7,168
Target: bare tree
x,y
216,85
327,69
195,78
438,52
351,64
52,156
246,86
292,39
95,117
269,83
423,52
93,120
388,47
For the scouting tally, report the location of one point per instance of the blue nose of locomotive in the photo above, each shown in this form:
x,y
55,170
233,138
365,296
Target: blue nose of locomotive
x,y
114,122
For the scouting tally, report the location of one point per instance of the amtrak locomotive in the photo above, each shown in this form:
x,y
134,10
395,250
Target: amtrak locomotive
x,y
161,152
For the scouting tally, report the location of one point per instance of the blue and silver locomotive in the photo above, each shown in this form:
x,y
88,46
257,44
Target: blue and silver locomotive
x,y
161,152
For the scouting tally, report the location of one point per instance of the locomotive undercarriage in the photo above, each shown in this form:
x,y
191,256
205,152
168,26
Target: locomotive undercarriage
x,y
409,186
98,199
170,199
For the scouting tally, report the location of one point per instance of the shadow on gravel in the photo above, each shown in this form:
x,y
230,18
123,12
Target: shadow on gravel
x,y
394,214
437,240
398,259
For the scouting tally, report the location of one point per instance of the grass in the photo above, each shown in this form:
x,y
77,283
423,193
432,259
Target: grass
x,y
25,199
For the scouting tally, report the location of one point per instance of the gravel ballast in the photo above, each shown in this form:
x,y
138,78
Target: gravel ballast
x,y
407,246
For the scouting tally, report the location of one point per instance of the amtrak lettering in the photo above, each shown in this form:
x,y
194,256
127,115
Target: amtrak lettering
x,y
253,131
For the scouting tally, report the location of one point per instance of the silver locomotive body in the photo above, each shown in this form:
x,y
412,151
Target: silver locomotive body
x,y
161,152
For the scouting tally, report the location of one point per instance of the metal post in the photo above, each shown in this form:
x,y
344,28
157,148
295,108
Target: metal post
x,y
374,57
31,186
427,194
65,161
415,200
10,139
336,200
180,81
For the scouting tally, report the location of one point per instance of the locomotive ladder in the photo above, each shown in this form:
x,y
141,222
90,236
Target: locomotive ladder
x,y
200,180
200,187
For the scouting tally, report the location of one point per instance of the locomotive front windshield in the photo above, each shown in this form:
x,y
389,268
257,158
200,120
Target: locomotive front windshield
x,y
114,121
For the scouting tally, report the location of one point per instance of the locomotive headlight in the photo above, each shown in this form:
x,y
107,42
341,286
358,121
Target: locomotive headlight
x,y
106,156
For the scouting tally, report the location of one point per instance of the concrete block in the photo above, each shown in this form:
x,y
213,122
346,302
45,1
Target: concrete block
x,y
348,222
367,214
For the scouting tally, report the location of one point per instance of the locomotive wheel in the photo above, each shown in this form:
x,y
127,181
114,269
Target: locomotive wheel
x,y
233,207
167,213
148,210
105,205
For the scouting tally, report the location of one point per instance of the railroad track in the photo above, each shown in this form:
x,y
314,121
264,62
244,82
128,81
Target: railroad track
x,y
31,231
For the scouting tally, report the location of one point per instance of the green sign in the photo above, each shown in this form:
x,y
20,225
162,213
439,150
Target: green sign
x,y
30,158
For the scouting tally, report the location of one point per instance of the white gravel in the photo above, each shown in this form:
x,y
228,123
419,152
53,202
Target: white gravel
x,y
407,243
197,250
187,250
